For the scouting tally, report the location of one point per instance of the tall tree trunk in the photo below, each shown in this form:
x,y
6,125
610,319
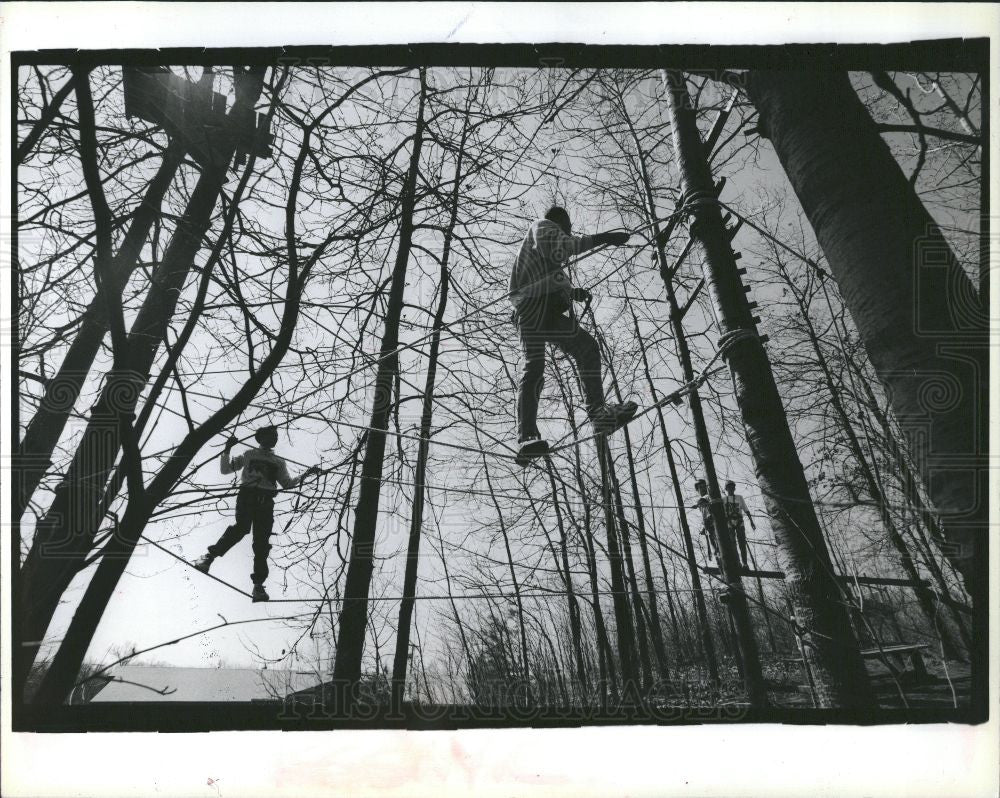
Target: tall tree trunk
x,y
417,511
45,118
833,652
354,613
522,632
920,319
420,471
117,552
34,453
870,473
655,630
649,207
605,659
638,611
573,606
64,536
623,613
924,517
921,515
747,651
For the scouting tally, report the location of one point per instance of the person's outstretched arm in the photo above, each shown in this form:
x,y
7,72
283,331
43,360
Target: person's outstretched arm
x,y
556,246
229,465
614,238
287,481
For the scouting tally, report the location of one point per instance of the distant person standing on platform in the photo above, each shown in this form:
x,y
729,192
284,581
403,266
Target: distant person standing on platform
x,y
703,503
735,509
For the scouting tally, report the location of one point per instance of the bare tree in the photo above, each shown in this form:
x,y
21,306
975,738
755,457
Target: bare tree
x,y
916,310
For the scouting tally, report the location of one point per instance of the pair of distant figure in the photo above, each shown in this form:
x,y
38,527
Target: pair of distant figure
x,y
542,295
735,508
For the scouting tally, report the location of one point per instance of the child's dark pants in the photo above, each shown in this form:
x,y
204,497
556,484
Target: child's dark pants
x,y
709,532
539,321
254,509
741,539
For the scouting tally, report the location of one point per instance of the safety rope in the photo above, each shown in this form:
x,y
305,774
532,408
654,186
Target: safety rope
x,y
432,597
725,344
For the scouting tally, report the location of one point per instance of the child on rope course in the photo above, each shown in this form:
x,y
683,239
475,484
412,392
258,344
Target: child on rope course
x,y
543,296
263,471
735,508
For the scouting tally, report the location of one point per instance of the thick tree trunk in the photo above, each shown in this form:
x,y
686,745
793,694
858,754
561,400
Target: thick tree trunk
x,y
34,454
61,676
354,614
45,118
737,607
918,313
924,517
64,536
870,473
833,653
117,552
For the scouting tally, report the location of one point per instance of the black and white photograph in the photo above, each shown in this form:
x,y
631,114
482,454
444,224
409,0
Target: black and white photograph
x,y
529,388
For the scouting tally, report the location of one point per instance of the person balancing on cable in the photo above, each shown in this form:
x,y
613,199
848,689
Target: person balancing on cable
x,y
262,472
543,296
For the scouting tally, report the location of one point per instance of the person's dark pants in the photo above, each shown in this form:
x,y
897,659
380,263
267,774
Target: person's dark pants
x,y
254,510
741,539
709,532
542,321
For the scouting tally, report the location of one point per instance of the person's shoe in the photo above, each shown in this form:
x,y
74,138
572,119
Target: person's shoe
x,y
530,449
259,594
609,418
204,563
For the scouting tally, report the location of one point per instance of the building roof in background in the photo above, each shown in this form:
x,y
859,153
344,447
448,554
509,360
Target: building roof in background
x,y
201,684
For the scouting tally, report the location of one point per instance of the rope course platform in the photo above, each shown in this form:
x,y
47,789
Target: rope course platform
x,y
861,580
